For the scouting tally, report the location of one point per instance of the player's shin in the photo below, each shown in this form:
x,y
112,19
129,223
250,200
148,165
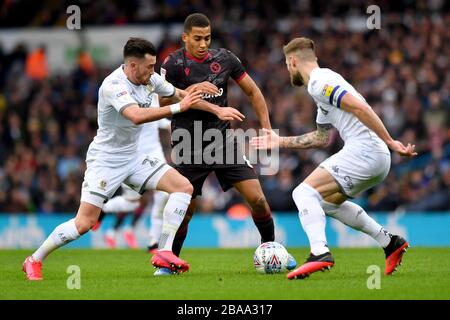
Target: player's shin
x,y
174,213
354,216
156,216
265,225
61,235
312,217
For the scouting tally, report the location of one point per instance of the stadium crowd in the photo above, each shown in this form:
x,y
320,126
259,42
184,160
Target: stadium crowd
x,y
403,70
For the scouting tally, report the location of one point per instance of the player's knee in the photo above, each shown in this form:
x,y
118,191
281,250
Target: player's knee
x,y
259,204
303,191
186,187
84,224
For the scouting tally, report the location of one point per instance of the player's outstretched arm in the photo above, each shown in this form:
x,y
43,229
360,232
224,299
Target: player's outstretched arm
x,y
205,87
223,113
368,117
257,99
315,139
139,115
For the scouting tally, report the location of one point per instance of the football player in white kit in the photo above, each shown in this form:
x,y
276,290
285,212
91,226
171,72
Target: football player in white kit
x,y
112,157
363,162
130,200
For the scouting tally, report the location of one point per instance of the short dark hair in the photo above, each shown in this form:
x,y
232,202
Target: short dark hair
x,y
138,47
196,20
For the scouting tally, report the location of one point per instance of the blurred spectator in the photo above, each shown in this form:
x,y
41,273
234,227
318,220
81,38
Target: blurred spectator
x,y
36,66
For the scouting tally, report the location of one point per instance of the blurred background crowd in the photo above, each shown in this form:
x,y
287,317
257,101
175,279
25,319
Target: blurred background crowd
x,y
47,120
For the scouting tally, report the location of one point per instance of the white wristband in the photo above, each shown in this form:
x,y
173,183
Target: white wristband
x,y
175,108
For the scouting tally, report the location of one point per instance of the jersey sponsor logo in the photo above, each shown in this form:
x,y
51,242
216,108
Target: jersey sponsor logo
x,y
121,94
209,96
215,67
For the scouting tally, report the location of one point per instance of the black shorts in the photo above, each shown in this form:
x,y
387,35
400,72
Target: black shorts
x,y
227,175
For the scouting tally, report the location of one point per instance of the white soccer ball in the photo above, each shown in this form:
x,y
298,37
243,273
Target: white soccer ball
x,y
271,257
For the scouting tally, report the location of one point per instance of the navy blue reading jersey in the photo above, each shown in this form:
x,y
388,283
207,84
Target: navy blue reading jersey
x,y
217,67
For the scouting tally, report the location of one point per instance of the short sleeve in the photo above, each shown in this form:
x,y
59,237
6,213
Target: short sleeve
x,y
237,69
321,118
327,91
162,87
164,123
118,95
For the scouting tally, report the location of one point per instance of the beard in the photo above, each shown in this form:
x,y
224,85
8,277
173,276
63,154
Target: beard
x,y
297,80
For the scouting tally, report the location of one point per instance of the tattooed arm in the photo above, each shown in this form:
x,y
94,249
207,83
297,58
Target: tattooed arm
x,y
318,138
271,140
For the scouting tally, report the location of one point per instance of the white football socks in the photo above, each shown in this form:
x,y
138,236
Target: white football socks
x,y
354,216
61,235
156,215
174,213
312,217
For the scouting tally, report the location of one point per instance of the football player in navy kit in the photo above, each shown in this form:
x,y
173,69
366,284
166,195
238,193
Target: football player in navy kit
x,y
196,63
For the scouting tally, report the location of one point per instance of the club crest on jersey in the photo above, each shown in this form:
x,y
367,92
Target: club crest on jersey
x,y
150,88
215,67
327,90
187,71
102,185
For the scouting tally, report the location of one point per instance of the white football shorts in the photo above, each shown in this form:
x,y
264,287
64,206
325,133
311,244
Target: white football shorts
x,y
357,170
127,192
101,180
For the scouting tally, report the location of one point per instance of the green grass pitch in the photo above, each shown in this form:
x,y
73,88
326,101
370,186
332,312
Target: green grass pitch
x,y
225,274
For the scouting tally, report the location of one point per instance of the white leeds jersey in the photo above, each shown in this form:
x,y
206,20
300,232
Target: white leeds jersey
x,y
149,142
327,89
117,137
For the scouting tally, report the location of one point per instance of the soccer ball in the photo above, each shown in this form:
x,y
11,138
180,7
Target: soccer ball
x,y
271,257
